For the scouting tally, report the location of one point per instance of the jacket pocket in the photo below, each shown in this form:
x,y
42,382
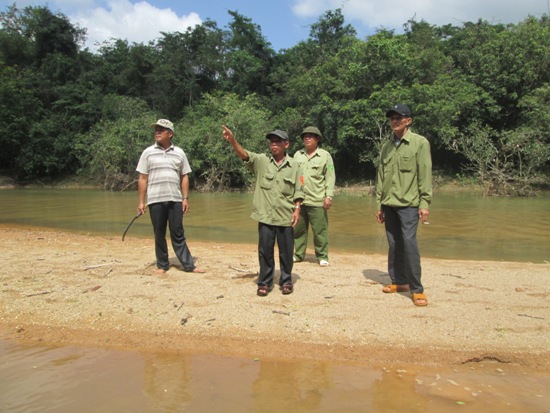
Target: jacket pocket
x,y
406,163
267,181
288,186
387,165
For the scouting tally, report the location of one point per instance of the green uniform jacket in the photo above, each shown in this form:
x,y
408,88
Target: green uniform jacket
x,y
318,176
277,189
404,177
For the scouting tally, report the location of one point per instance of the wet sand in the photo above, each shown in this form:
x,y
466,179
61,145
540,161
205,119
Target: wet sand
x,y
70,289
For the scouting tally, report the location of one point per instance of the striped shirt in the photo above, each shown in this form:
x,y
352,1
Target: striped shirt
x,y
164,168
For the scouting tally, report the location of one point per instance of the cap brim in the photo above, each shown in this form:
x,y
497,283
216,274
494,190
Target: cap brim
x,y
162,126
269,135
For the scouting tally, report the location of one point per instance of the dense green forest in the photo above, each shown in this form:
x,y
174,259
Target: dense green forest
x,y
479,92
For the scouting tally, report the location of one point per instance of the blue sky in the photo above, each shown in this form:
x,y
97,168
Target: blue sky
x,y
283,22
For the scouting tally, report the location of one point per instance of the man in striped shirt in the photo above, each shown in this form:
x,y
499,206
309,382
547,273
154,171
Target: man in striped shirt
x,y
163,186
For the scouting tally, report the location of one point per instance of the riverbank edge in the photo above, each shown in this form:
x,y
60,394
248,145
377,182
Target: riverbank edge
x,y
75,289
442,184
374,355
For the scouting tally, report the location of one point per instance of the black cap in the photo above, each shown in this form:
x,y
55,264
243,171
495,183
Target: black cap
x,y
400,109
279,133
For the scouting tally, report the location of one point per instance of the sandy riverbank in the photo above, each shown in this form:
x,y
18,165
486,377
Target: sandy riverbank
x,y
65,288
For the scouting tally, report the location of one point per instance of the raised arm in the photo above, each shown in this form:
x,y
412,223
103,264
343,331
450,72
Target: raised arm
x,y
229,137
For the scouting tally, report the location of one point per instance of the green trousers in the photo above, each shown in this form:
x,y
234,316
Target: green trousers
x,y
318,218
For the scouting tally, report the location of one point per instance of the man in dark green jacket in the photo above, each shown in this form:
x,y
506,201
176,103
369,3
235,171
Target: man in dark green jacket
x,y
276,206
403,195
317,172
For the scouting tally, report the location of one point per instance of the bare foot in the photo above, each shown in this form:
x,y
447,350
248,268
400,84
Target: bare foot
x,y
198,270
160,271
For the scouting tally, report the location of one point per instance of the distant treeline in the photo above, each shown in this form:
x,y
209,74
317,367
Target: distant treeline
x,y
479,92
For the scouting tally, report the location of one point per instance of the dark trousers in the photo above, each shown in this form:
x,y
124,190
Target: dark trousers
x,y
171,213
267,234
403,255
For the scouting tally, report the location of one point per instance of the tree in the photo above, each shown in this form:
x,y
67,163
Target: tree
x,y
111,149
46,70
507,62
214,165
330,32
41,33
249,57
20,108
509,162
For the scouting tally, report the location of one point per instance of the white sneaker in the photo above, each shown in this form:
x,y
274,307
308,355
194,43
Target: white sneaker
x,y
324,263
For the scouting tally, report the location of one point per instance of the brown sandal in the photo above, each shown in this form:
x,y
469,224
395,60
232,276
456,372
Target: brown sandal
x,y
396,288
420,299
263,290
287,288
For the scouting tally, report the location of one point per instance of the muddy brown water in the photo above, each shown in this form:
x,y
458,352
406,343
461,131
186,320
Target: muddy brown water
x,y
71,379
67,379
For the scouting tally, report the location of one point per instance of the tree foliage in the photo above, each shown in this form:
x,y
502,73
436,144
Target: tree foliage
x,y
479,92
218,167
111,148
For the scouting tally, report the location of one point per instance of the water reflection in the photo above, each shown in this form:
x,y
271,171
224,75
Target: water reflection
x,y
283,385
461,226
67,379
403,387
70,379
166,381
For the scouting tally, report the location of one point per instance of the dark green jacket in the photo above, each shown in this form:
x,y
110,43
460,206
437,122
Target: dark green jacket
x,y
277,189
318,176
404,175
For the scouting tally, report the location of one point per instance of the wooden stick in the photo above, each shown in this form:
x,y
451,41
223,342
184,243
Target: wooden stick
x,y
91,267
42,293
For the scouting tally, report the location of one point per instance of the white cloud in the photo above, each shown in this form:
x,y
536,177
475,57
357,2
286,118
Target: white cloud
x,y
379,13
138,22
74,4
311,8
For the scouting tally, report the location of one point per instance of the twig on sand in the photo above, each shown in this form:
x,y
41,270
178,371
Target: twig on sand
x,y
41,293
87,290
238,269
485,358
531,316
91,267
280,312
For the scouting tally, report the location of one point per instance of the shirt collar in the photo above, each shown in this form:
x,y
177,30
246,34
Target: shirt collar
x,y
405,137
170,148
285,161
315,153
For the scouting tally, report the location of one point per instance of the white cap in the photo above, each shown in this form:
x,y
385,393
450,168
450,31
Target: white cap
x,y
164,123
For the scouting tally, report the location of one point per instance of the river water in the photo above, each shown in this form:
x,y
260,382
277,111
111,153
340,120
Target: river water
x,y
462,226
68,379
